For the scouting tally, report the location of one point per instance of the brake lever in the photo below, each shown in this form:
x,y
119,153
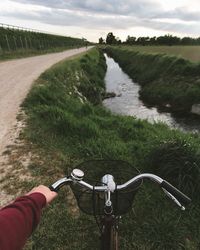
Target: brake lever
x,y
174,199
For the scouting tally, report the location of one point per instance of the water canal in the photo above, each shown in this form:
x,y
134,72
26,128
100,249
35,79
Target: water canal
x,y
127,101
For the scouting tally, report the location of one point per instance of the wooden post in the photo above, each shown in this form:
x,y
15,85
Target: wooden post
x,y
1,50
7,42
21,43
30,43
26,43
40,44
15,42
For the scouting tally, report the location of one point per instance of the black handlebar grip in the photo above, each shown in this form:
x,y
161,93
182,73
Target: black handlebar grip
x,y
54,189
182,198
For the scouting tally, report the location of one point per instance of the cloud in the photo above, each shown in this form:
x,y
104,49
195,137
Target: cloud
x,y
73,18
126,7
63,17
109,14
181,13
141,9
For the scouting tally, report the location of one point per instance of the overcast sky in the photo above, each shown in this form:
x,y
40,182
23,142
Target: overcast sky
x,y
95,18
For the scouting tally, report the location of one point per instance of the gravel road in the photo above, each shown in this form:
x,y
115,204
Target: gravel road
x,y
16,78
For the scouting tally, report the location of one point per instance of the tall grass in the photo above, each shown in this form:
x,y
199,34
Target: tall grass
x,y
164,79
68,125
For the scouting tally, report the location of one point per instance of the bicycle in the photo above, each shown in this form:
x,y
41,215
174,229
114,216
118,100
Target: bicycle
x,y
110,200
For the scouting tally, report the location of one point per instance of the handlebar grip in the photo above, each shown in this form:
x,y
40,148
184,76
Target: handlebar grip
x,y
60,183
175,192
54,189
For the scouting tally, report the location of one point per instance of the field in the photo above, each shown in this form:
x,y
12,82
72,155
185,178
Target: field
x,y
67,125
20,43
191,53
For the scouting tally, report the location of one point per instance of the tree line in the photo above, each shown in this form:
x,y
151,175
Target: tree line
x,y
169,40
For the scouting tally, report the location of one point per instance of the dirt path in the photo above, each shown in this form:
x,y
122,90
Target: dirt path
x,y
16,78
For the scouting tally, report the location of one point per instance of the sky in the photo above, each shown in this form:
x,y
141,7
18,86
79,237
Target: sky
x,y
92,19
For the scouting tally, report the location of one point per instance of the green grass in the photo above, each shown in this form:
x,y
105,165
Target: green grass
x,y
30,52
164,79
191,53
68,125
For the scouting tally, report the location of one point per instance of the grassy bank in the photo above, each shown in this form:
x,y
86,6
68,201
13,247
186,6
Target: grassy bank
x,y
191,53
32,52
165,80
67,125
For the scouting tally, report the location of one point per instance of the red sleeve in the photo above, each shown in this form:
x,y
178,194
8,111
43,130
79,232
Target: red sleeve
x,y
19,219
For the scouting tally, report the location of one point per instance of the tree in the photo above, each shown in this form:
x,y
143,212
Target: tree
x,y
168,40
130,40
110,39
187,41
143,40
153,40
101,41
197,40
118,41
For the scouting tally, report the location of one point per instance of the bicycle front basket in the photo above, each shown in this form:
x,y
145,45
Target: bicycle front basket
x,y
92,202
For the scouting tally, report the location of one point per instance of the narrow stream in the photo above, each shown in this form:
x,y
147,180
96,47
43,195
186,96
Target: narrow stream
x,y
127,101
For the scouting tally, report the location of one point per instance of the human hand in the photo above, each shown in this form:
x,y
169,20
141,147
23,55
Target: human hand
x,y
49,195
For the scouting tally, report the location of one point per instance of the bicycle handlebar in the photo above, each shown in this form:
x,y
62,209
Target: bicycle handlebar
x,y
67,180
77,176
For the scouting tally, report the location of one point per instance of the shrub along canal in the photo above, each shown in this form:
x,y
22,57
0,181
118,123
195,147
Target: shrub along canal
x,y
127,101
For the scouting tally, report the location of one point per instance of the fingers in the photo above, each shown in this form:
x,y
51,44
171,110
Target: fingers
x,y
49,195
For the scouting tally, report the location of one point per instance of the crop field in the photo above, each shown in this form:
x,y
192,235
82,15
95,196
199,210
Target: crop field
x,y
191,53
18,43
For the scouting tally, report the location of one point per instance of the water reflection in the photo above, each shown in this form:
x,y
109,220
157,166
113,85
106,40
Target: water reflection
x,y
127,101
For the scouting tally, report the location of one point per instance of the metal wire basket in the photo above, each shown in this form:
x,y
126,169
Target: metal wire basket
x,y
92,202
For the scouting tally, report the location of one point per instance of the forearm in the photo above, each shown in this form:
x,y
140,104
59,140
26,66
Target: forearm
x,y
19,219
